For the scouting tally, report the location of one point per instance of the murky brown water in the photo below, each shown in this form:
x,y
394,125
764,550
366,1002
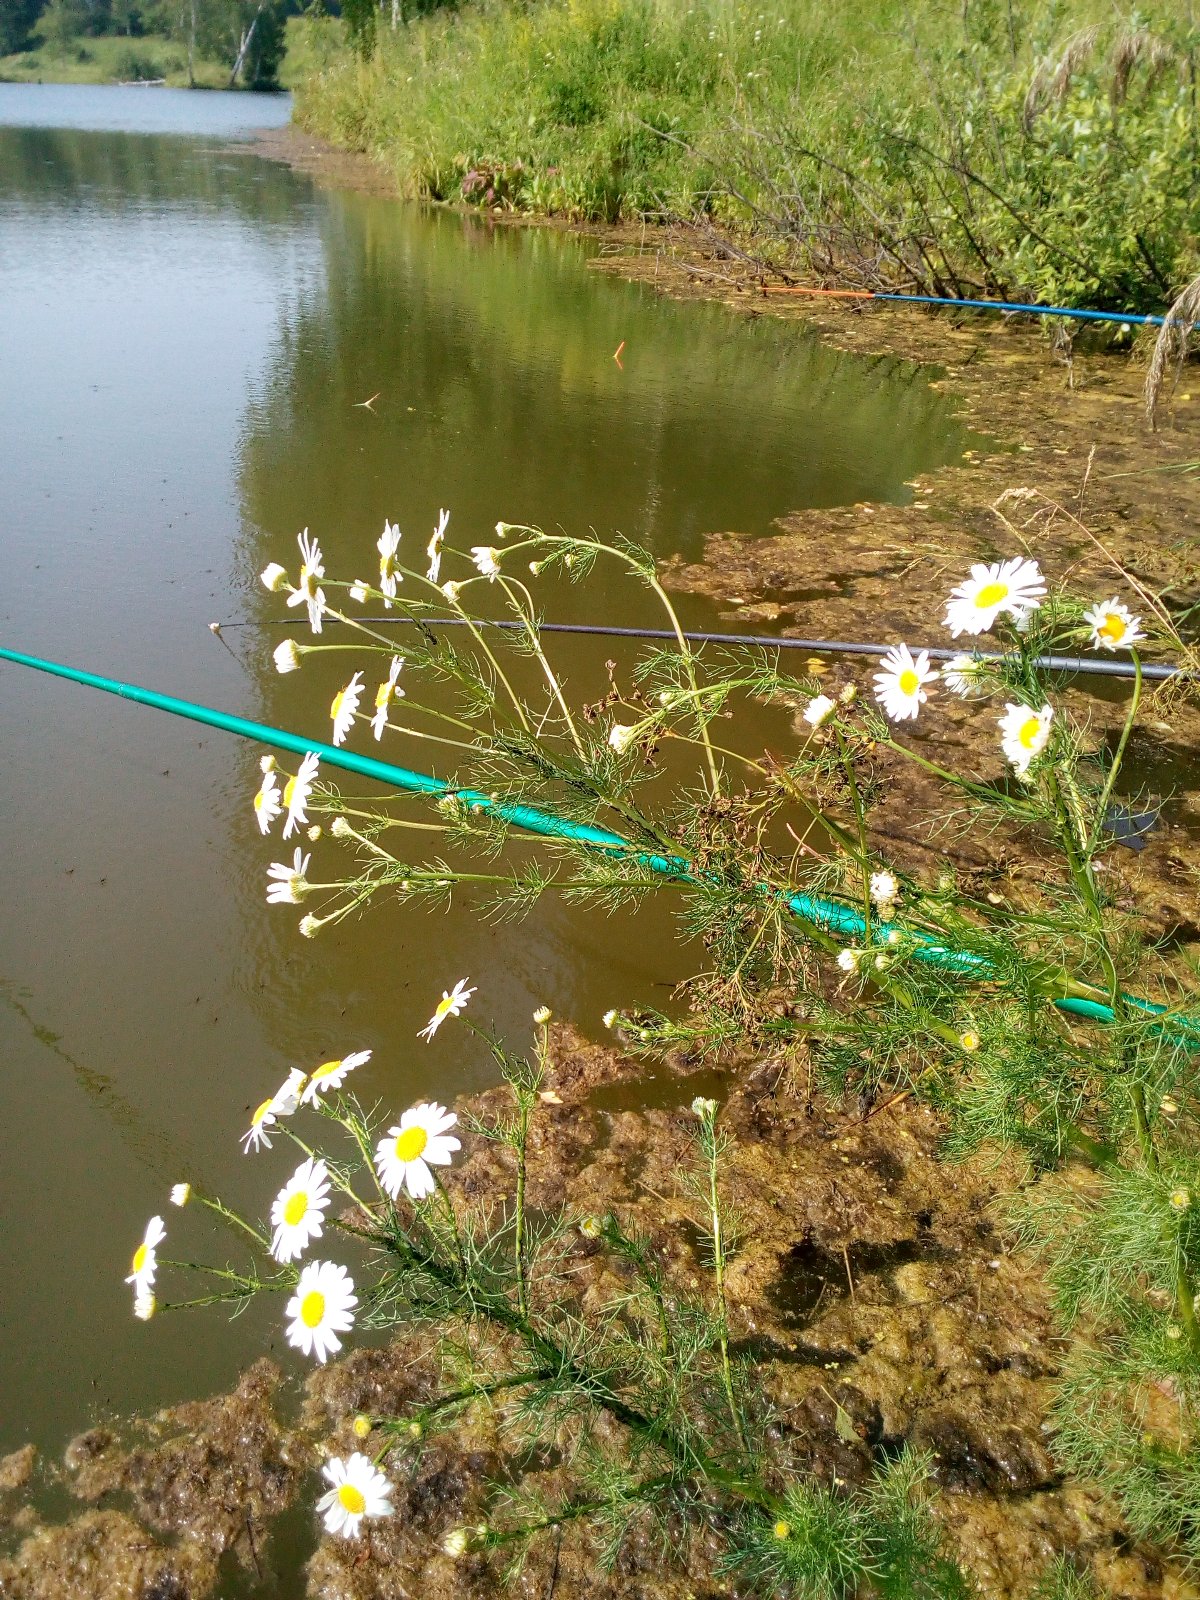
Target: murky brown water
x,y
184,330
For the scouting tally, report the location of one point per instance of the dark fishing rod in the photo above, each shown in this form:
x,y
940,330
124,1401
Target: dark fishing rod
x,y
1084,665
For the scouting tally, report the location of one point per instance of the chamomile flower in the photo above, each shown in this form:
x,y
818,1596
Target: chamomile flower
x,y
819,710
345,708
962,674
1024,734
144,1305
331,1075
387,691
452,591
389,568
450,1005
145,1258
1114,627
900,686
403,1156
287,656
487,559
1012,588
267,804
308,592
621,736
359,591
296,792
282,1103
359,1490
274,577
434,548
296,1215
321,1308
849,959
181,1193
288,885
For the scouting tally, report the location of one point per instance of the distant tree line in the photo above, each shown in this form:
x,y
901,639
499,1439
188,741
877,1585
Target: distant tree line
x,y
246,35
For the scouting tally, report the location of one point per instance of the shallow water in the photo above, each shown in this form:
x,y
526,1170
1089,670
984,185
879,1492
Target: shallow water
x,y
185,330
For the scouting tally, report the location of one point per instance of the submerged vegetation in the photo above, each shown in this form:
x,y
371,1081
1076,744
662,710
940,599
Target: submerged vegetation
x,y
1020,149
833,950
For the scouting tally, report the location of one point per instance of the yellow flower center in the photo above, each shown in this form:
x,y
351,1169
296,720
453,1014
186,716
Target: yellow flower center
x,y
139,1257
782,1529
327,1070
289,790
312,1308
338,698
260,799
295,1209
353,1499
411,1143
256,1119
1028,732
383,696
1112,628
908,681
308,582
991,595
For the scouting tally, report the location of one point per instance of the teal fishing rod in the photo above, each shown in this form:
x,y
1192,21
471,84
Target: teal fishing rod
x,y
829,916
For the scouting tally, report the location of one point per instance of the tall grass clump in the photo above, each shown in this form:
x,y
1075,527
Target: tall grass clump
x,y
1051,1023
984,149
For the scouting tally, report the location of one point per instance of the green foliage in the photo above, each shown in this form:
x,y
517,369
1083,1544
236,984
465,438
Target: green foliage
x,y
978,150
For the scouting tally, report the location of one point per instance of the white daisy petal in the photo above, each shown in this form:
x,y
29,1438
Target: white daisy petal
x,y
296,1215
1113,626
308,591
434,548
296,793
359,1490
900,686
267,803
389,567
387,691
403,1154
331,1075
345,708
1024,734
321,1308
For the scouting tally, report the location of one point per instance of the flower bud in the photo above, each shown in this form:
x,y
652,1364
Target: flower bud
x,y
591,1227
310,926
706,1110
969,1040
267,764
340,828
314,833
1180,1199
849,694
274,577
609,1019
819,710
359,591
362,1426
620,737
536,566
181,1193
1168,1107
782,1530
542,1014
451,590
287,656
144,1307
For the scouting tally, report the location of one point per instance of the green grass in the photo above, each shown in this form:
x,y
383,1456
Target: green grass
x,y
112,60
880,139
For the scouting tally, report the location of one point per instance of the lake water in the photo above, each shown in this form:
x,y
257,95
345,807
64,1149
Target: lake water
x,y
185,331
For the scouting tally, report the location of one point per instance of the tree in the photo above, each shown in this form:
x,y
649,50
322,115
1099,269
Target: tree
x,y
17,19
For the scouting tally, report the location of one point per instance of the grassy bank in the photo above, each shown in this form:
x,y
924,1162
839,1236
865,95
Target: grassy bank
x,y
112,60
980,148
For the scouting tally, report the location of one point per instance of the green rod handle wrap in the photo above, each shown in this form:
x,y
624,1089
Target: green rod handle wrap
x,y
830,915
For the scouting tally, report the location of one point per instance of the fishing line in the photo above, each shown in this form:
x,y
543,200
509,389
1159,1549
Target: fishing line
x,y
1011,307
833,647
830,916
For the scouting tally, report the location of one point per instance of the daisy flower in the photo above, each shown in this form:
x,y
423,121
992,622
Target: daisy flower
x,y
402,1157
287,656
359,1490
900,687
434,548
1114,627
296,1214
962,673
359,591
1014,587
849,959
282,1103
145,1258
384,695
296,792
450,1005
321,1308
144,1305
389,568
181,1193
1024,734
267,804
345,707
819,710
487,559
331,1075
289,886
620,737
274,577
311,571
